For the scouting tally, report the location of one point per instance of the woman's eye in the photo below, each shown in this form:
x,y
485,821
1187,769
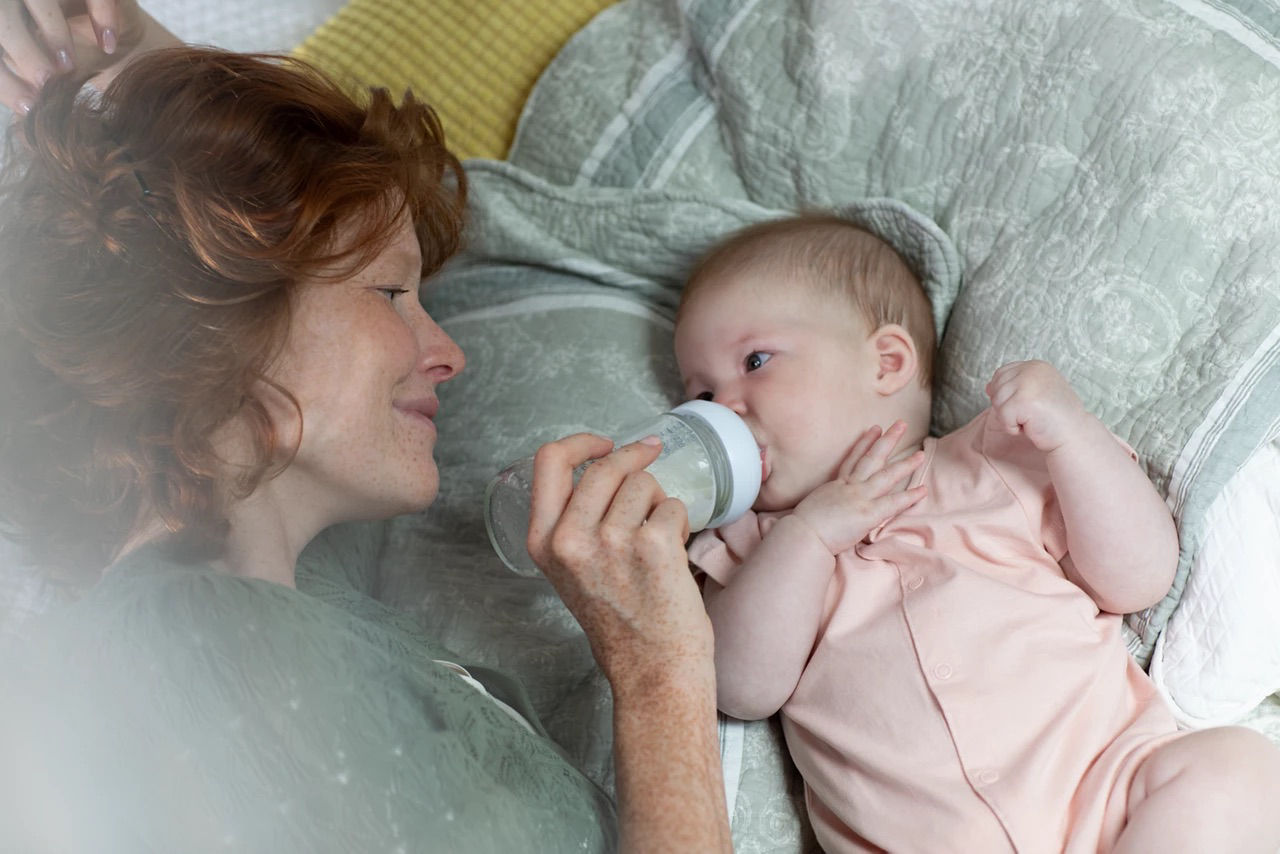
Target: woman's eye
x,y
756,360
705,395
392,293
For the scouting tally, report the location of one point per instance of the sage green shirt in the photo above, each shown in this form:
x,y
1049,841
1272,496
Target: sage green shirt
x,y
177,708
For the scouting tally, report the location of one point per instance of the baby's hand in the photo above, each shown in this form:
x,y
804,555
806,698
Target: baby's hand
x,y
1032,397
863,495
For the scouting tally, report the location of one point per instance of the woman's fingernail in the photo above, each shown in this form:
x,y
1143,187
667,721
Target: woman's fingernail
x,y
108,41
63,58
650,440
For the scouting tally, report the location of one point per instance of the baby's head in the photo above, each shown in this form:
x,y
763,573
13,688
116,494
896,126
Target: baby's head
x,y
812,330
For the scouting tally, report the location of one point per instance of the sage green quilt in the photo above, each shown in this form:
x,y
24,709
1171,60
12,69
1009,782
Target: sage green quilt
x,y
1107,170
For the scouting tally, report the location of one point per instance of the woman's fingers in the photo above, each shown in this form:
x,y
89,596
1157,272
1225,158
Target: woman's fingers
x,y
634,500
105,15
51,24
563,517
599,484
15,93
553,467
671,516
28,64
42,38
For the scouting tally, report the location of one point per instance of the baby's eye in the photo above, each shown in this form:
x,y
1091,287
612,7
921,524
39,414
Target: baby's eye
x,y
705,395
392,293
756,360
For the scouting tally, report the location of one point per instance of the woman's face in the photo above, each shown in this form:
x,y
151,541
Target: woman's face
x,y
363,359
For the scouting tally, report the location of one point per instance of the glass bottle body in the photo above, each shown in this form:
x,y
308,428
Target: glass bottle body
x,y
694,466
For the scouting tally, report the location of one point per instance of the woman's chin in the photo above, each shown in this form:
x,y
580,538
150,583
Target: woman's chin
x,y
412,500
426,497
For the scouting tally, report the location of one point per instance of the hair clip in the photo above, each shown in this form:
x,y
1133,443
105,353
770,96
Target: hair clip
x,y
146,191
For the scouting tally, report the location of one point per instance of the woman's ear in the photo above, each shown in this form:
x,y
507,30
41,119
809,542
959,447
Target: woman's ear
x,y
897,362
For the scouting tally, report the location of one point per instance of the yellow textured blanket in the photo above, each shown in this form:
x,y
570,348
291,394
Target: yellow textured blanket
x,y
475,61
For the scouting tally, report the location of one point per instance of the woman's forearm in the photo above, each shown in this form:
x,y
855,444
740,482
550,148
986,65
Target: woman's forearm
x,y
667,763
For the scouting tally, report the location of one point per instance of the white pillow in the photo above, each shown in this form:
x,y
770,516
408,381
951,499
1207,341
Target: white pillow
x,y
1219,655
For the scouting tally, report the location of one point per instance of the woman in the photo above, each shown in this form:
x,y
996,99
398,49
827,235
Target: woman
x,y
212,343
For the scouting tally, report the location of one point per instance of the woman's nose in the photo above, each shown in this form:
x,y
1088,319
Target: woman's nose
x,y
441,357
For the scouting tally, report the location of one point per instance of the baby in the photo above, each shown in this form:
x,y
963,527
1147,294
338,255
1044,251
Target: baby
x,y
938,619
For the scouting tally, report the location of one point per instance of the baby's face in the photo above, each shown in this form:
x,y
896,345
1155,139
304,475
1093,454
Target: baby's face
x,y
798,366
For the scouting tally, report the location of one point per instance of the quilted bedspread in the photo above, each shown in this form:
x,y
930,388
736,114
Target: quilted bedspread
x,y
1106,169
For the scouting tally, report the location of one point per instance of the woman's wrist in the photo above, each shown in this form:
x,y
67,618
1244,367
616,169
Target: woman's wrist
x,y
667,761
689,676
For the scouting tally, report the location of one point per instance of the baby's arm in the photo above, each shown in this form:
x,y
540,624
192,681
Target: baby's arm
x,y
1122,547
767,618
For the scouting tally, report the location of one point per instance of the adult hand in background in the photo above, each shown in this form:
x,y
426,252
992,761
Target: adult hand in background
x,y
43,38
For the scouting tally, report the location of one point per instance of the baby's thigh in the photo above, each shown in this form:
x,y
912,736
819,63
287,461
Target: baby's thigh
x,y
1223,771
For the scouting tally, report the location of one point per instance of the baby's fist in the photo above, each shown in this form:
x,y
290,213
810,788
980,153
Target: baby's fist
x,y
1036,400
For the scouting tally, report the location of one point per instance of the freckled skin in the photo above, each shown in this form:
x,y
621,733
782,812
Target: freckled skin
x,y
356,352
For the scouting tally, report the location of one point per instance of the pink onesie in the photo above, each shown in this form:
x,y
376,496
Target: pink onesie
x,y
962,694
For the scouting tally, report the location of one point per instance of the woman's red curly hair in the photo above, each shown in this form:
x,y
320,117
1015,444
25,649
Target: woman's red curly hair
x,y
150,241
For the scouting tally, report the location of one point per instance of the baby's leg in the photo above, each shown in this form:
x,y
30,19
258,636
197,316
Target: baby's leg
x,y
1211,791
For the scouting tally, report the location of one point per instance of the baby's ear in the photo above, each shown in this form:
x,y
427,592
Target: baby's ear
x,y
898,363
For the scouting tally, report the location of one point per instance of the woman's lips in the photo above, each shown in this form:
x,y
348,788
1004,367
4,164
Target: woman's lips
x,y
421,411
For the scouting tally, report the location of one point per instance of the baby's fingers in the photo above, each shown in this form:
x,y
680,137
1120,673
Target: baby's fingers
x,y
883,481
888,506
873,460
859,449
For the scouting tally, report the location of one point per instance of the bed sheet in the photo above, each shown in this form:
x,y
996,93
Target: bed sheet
x,y
244,25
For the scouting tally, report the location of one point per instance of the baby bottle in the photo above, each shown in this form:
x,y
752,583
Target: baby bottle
x,y
709,460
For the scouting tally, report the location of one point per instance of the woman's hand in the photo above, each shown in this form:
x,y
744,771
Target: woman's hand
x,y
614,550
42,38
865,492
